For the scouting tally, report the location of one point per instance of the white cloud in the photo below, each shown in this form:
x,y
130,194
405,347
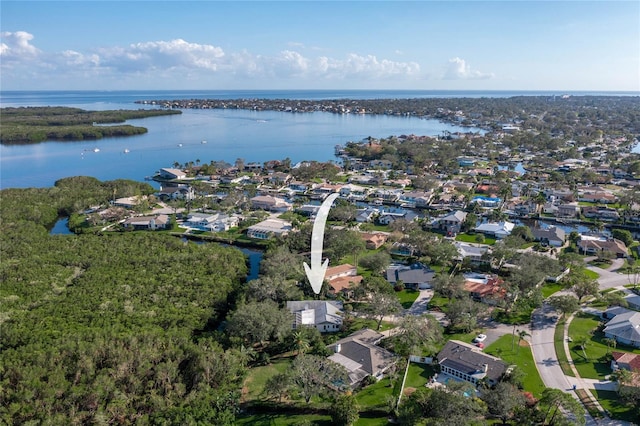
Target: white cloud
x,y
458,69
16,46
167,60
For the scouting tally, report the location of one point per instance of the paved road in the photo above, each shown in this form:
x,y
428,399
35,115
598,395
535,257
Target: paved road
x,y
543,323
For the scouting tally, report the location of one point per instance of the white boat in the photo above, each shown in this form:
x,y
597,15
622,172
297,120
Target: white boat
x,y
179,145
126,150
96,149
203,142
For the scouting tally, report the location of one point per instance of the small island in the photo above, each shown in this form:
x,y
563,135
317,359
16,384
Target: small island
x,y
27,125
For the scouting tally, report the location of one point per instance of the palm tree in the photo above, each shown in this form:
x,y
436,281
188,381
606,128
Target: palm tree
x,y
611,344
300,342
582,342
521,335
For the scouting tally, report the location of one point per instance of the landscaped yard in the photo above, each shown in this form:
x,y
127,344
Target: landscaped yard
x,y
407,297
418,375
522,357
610,401
258,376
595,366
284,419
473,238
550,288
558,344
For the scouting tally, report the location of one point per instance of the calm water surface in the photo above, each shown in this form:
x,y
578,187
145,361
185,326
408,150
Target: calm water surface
x,y
229,134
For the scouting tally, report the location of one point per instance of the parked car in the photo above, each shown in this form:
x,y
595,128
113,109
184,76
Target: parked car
x,y
480,345
479,338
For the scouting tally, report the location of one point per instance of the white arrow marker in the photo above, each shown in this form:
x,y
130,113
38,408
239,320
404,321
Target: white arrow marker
x,y
316,272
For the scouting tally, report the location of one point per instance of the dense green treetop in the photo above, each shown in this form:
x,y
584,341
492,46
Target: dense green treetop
x,y
36,124
110,328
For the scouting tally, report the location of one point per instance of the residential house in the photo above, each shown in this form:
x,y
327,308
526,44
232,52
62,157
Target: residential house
x,y
402,249
147,222
487,202
451,224
569,210
633,300
171,174
361,356
129,202
416,275
342,278
270,203
366,214
269,228
308,210
594,245
325,316
279,178
626,361
624,328
354,192
176,193
611,312
601,197
602,213
298,187
467,362
474,252
484,288
374,240
496,229
322,191
212,222
387,218
552,236
418,199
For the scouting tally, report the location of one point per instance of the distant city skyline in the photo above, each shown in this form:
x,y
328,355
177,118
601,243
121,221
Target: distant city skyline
x,y
276,45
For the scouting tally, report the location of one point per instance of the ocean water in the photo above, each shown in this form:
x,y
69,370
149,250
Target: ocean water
x,y
229,134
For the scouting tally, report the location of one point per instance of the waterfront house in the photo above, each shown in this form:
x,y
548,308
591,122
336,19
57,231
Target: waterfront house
x,y
496,229
552,236
360,354
467,362
176,193
212,222
129,202
269,228
354,192
602,213
418,199
487,202
451,224
387,218
152,223
569,210
366,214
324,315
171,174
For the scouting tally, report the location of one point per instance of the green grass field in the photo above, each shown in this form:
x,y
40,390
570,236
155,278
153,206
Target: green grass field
x,y
550,288
258,376
407,297
610,401
471,238
595,366
523,358
561,355
418,375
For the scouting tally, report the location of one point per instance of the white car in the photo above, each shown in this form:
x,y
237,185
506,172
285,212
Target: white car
x,y
479,338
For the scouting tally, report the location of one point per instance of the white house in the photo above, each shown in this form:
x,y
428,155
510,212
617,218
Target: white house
x,y
267,202
269,228
496,229
324,315
213,222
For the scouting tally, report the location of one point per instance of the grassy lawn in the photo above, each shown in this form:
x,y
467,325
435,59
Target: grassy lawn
x,y
283,419
407,297
418,375
611,402
549,288
258,376
439,302
523,358
360,323
595,366
471,238
463,337
591,274
561,355
375,396
516,316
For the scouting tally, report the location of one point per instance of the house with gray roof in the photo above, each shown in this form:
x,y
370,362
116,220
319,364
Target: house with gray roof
x,y
552,236
467,362
361,356
415,275
624,328
325,316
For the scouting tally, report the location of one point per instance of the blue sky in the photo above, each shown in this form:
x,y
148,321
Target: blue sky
x,y
419,45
